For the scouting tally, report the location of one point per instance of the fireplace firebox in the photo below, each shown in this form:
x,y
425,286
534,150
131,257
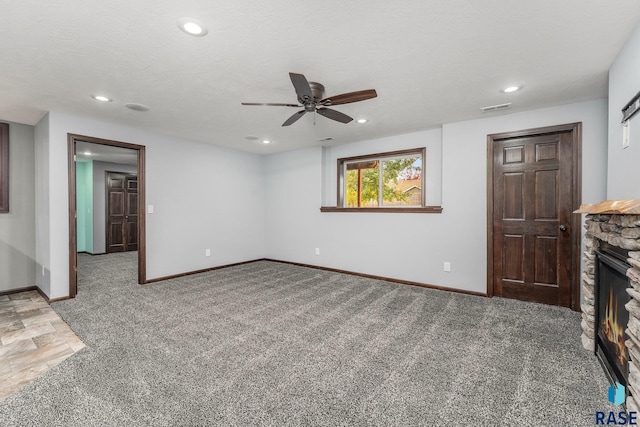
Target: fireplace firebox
x,y
611,317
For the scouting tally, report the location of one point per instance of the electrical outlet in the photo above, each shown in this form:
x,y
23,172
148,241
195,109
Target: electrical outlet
x,y
207,252
317,251
447,266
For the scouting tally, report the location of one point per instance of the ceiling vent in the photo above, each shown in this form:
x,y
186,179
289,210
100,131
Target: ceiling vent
x,y
136,107
325,139
496,107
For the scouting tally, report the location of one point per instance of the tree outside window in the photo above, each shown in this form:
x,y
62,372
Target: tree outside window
x,y
383,180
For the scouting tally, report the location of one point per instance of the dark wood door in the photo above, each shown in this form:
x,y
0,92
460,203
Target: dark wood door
x,y
533,201
122,212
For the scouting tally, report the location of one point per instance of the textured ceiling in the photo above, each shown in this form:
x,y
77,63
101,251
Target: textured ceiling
x,y
431,62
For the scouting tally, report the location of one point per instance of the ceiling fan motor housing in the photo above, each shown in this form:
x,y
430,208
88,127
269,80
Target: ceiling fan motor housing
x,y
317,90
311,98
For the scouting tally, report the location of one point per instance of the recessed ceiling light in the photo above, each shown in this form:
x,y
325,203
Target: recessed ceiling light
x,y
136,107
362,121
511,89
101,98
87,153
193,27
266,141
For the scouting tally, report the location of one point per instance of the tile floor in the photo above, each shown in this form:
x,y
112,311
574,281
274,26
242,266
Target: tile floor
x,y
33,339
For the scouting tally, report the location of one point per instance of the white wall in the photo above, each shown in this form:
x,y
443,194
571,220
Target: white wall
x,y
43,241
204,197
624,84
17,234
293,222
413,246
99,199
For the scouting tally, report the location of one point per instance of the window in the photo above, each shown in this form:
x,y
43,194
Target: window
x,y
4,167
392,182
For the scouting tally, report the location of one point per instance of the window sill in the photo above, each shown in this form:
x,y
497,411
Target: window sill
x,y
425,209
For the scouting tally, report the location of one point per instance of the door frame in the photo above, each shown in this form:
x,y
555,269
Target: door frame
x,y
73,243
107,203
576,198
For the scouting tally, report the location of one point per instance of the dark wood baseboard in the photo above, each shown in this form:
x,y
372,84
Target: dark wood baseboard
x,y
334,270
204,270
18,290
42,294
92,254
57,299
386,279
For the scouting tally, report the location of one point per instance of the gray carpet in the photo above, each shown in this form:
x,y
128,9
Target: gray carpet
x,y
273,344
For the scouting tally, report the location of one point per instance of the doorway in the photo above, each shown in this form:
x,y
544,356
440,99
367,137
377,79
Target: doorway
x,y
135,204
533,242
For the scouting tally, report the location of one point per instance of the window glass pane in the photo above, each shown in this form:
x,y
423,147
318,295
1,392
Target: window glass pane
x,y
402,181
362,182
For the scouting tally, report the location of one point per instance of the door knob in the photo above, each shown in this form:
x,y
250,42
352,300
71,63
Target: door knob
x,y
563,228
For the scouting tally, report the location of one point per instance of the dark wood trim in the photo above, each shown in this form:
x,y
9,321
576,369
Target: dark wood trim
x,y
4,167
384,154
142,247
92,254
73,216
333,270
490,216
386,279
576,219
142,216
576,222
204,270
42,294
340,181
18,290
425,209
51,301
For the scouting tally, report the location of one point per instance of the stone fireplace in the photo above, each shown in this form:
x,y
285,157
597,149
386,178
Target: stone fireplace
x,y
611,291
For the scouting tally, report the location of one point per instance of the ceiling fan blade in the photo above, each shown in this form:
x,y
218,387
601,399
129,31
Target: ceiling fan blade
x,y
347,98
300,83
291,120
334,115
271,104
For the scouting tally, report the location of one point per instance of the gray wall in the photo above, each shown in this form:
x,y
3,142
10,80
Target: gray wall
x,y
43,241
17,228
205,197
99,194
624,83
412,246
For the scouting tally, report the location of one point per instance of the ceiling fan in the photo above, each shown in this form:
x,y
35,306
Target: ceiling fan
x,y
310,97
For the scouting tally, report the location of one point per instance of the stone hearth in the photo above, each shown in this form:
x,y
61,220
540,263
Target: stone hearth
x,y
617,223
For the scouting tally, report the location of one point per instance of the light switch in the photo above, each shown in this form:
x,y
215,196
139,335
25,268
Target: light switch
x,y
625,134
150,209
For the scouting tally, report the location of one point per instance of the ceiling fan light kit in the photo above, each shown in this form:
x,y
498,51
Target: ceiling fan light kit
x,y
310,96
